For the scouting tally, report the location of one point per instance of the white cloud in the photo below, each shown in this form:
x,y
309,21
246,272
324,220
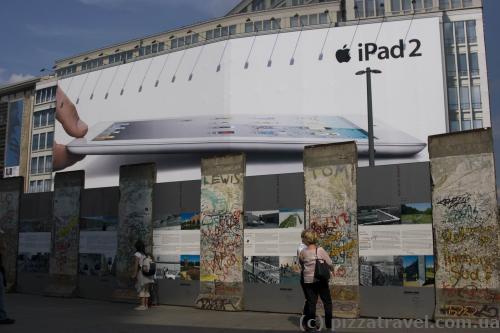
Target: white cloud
x,y
5,78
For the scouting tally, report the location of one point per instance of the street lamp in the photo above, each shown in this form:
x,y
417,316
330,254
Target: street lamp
x,y
371,144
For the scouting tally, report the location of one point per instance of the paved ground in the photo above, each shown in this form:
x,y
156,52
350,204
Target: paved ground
x,y
36,314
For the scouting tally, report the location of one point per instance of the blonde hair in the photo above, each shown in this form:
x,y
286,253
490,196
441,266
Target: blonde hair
x,y
309,237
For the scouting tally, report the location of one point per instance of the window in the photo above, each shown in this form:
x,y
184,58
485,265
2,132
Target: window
x,y
466,122
444,4
92,64
450,65
34,165
267,25
406,4
471,32
476,97
50,140
43,118
478,120
39,185
297,2
34,142
448,34
48,164
454,124
380,7
468,3
46,95
41,164
369,8
187,40
323,18
474,64
32,186
50,118
47,185
36,119
232,29
313,19
257,26
294,21
359,8
462,64
456,3
249,27
452,99
395,6
258,5
122,57
43,144
428,4
460,32
66,71
151,49
464,98
210,34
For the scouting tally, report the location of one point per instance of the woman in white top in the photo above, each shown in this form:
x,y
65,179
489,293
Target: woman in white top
x,y
142,282
313,288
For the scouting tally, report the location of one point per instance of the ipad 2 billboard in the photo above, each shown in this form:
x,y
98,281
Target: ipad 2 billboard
x,y
268,95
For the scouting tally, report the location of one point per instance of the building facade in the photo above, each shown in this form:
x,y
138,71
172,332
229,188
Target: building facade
x,y
42,137
16,113
463,53
462,25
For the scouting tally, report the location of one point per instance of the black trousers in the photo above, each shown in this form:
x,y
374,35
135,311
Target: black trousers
x,y
311,292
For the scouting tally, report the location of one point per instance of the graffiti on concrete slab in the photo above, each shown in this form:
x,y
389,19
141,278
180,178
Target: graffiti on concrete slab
x,y
64,256
218,303
331,210
135,222
221,238
467,236
9,216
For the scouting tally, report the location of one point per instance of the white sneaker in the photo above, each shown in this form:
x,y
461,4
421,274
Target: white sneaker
x,y
140,308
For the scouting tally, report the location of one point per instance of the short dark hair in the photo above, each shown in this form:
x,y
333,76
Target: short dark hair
x,y
140,247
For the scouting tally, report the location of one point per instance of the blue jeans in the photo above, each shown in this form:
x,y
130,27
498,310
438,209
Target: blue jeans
x,y
3,314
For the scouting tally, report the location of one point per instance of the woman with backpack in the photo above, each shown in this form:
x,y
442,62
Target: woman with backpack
x,y
316,266
143,281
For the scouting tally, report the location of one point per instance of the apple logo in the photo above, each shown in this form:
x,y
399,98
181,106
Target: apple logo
x,y
343,55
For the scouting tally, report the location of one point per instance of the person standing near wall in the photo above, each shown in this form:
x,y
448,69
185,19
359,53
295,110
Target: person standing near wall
x,y
311,285
4,320
142,282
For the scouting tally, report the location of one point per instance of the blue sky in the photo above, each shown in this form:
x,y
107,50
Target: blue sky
x,y
36,32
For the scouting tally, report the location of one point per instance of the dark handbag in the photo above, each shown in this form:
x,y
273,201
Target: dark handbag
x,y
321,270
